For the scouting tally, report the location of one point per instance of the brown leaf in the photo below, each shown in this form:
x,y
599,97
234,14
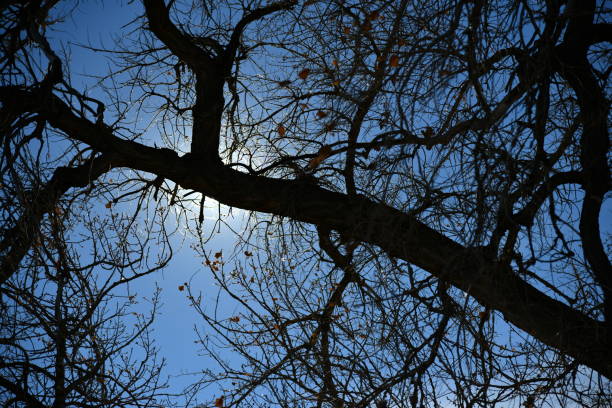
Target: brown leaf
x,y
109,204
218,254
181,288
219,402
303,74
375,15
281,130
483,315
321,114
394,61
323,153
235,319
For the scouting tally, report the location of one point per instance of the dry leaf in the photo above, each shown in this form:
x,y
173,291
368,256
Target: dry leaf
x,y
323,153
281,130
375,15
235,319
218,254
394,61
181,288
109,204
321,114
219,402
335,63
483,315
303,74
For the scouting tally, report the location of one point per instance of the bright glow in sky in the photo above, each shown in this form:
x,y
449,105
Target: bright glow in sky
x,y
95,24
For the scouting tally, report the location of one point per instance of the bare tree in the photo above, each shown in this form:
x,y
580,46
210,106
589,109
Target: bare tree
x,y
425,179
71,334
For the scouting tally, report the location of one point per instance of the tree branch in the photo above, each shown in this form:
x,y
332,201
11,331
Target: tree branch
x,y
400,235
173,38
18,240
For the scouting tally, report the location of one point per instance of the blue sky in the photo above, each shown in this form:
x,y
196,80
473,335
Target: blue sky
x,y
94,23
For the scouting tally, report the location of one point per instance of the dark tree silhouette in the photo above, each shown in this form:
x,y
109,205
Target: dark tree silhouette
x,y
426,181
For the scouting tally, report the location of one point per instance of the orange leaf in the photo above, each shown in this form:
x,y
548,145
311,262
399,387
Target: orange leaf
x,y
303,74
394,61
281,130
335,63
109,204
219,402
323,153
181,288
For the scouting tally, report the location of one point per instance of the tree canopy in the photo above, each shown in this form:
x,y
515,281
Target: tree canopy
x,y
425,182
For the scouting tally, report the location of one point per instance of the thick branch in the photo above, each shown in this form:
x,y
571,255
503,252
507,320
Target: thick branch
x,y
594,143
172,37
398,234
232,46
